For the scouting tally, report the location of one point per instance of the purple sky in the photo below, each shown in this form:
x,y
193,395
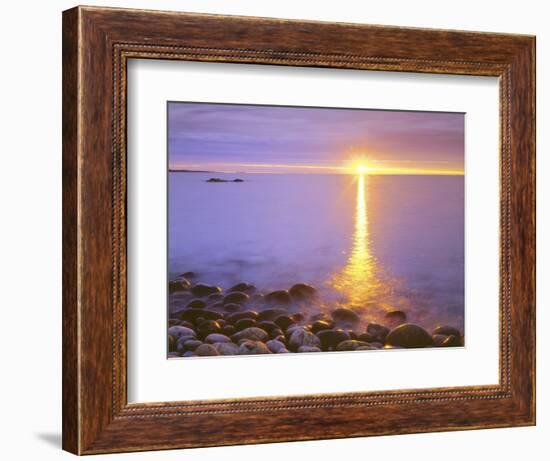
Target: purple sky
x,y
247,138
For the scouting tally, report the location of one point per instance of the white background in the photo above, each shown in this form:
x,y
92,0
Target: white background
x,y
30,244
151,378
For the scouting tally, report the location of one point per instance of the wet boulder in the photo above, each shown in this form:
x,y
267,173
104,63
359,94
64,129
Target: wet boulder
x,y
244,323
345,315
452,341
409,335
395,318
446,330
302,337
225,348
178,331
217,338
276,346
243,287
205,350
279,297
242,315
207,327
378,332
252,334
350,345
235,297
319,325
178,285
196,304
302,292
331,338
201,289
284,321
249,347
271,314
308,349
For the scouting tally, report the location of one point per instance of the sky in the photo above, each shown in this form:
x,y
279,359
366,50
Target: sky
x,y
280,139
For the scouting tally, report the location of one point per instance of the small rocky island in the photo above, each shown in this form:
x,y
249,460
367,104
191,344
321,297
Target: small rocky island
x,y
205,320
224,180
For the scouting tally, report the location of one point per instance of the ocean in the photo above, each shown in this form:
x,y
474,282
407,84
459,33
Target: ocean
x,y
371,243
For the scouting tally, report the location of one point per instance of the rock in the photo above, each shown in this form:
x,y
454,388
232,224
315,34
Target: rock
x,y
216,306
345,315
216,338
350,345
284,321
179,285
228,330
396,318
276,346
366,337
452,341
252,333
301,337
447,331
409,335
188,275
308,349
298,317
292,327
200,290
253,347
196,304
268,326
242,315
173,355
214,297
378,332
244,323
368,347
438,340
189,354
236,297
171,343
302,292
331,338
244,287
185,323
276,333
271,314
279,297
178,331
238,180
232,307
226,348
319,316
193,314
186,344
205,350
172,322
319,325
208,327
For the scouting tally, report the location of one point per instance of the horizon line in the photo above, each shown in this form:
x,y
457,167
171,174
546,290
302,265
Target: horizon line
x,y
350,173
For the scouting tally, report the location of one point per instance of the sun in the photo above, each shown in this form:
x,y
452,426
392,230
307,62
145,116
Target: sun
x,y
361,169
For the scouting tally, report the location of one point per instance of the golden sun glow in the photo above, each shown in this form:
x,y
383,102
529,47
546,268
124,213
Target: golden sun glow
x,y
361,169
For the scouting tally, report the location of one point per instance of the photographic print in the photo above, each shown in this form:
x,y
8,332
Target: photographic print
x,y
313,230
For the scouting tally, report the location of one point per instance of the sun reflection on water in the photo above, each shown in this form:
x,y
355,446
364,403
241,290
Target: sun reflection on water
x,y
359,281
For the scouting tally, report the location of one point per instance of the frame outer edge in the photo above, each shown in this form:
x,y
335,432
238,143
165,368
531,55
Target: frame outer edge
x,y
91,422
70,177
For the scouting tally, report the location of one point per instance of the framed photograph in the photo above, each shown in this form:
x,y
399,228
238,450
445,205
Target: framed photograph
x,y
279,230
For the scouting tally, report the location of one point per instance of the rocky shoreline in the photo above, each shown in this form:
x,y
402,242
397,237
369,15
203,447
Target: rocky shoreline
x,y
205,320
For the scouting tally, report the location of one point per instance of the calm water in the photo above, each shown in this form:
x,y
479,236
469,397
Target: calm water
x,y
374,243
